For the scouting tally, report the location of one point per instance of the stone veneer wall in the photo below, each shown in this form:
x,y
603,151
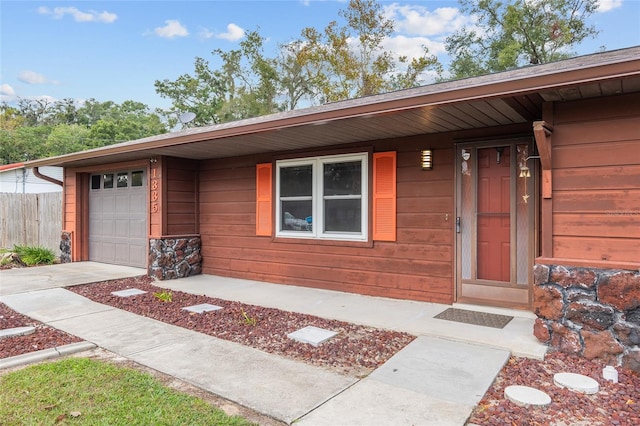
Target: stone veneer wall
x,y
65,247
591,312
171,258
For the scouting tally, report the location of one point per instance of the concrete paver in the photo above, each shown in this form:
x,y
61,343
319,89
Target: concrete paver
x,y
374,403
444,369
525,396
20,280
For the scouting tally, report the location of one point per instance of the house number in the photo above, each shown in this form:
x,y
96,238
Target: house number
x,y
154,189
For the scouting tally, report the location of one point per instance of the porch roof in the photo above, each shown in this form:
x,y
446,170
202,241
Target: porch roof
x,y
506,98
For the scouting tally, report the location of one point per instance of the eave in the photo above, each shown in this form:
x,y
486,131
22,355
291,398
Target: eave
x,y
501,99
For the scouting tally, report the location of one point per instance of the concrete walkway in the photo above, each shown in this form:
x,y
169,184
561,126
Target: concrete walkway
x,y
435,380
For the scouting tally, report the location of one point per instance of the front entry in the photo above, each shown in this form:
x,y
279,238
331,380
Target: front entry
x,y
495,223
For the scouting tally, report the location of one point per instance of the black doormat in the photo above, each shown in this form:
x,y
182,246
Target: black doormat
x,y
474,317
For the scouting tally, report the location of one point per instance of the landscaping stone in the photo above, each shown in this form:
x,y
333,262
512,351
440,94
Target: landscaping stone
x,y
524,396
620,290
312,335
591,315
573,277
16,331
591,312
565,339
202,307
174,257
541,330
601,345
576,382
128,292
548,302
65,247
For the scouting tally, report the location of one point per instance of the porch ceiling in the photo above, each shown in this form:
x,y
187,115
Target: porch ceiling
x,y
514,97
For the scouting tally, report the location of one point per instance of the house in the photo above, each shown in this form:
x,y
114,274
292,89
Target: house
x,y
517,189
16,178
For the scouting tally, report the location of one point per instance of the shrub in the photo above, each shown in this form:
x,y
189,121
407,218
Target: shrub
x,y
35,255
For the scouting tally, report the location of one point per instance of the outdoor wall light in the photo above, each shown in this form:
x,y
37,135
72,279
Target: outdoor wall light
x,y
426,156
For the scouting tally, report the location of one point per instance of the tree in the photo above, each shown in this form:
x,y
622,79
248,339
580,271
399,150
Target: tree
x,y
10,117
64,139
203,94
23,144
515,33
246,85
295,79
42,128
350,61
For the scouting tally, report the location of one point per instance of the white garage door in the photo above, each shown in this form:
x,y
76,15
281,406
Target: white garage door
x,y
118,218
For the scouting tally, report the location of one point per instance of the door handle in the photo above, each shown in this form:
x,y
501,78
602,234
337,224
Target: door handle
x,y
458,225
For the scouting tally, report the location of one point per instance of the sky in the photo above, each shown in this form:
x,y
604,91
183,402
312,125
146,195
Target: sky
x,y
116,50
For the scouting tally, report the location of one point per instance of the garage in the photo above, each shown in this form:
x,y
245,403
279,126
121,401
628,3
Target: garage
x,y
118,218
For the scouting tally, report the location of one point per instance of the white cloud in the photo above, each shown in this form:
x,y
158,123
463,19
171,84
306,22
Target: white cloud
x,y
607,5
172,29
205,34
233,33
78,15
419,20
6,90
412,46
31,77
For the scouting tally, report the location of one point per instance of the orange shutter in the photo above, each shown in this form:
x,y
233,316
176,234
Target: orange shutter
x,y
384,196
264,221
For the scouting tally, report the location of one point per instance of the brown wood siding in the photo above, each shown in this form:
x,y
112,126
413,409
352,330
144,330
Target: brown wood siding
x,y
182,196
596,180
419,265
69,211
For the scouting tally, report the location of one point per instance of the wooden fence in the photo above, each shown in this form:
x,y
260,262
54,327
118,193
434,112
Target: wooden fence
x,y
31,219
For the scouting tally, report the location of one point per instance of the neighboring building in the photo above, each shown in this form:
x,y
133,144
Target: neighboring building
x,y
530,198
18,179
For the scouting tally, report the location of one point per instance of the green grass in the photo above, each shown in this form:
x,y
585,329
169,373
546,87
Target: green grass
x,y
103,394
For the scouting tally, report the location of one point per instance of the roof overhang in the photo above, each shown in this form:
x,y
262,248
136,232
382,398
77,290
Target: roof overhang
x,y
507,98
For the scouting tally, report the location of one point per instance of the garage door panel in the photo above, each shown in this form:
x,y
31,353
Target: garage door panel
x,y
118,227
122,253
123,206
108,227
122,228
139,202
138,229
108,201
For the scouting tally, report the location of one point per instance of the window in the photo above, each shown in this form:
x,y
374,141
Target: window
x,y
107,181
136,178
123,180
322,197
95,182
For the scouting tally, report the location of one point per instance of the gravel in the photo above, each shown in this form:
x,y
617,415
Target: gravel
x,y
614,404
356,351
44,337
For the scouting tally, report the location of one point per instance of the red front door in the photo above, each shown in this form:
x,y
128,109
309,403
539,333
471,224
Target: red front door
x,y
494,214
495,223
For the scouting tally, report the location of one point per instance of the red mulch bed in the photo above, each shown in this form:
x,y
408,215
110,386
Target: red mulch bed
x,y
356,350
44,337
614,404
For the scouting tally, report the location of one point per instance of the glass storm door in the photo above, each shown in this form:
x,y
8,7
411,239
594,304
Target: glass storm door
x,y
495,224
